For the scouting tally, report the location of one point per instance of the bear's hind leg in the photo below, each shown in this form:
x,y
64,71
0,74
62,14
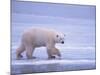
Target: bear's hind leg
x,y
29,52
19,51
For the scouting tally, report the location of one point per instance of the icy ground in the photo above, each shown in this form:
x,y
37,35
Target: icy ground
x,y
71,60
34,66
78,51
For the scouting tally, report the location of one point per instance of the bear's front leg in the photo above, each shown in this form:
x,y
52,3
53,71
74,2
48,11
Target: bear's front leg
x,y
50,55
52,51
56,52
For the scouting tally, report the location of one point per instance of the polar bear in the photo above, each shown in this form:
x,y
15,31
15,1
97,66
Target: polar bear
x,y
40,37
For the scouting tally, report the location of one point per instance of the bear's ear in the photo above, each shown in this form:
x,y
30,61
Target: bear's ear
x,y
56,35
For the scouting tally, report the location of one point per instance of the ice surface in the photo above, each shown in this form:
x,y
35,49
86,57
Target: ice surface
x,y
36,66
78,51
52,61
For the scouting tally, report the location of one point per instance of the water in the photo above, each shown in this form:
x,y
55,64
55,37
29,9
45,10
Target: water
x,y
79,43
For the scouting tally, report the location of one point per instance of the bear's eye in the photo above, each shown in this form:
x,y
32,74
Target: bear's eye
x,y
57,35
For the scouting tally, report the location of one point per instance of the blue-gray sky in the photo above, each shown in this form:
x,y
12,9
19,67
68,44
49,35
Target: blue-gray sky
x,y
51,9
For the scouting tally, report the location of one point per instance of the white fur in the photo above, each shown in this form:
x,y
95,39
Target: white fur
x,y
38,37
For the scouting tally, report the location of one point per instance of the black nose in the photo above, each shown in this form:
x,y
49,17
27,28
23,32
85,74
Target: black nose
x,y
62,42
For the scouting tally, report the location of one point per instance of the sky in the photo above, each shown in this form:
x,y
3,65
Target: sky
x,y
56,10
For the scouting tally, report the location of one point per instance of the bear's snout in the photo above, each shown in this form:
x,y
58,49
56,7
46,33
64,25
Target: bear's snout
x,y
62,42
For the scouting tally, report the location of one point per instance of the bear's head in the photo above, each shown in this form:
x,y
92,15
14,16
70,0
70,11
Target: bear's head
x,y
60,38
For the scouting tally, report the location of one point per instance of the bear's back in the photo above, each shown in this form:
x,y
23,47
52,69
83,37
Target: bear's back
x,y
39,36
